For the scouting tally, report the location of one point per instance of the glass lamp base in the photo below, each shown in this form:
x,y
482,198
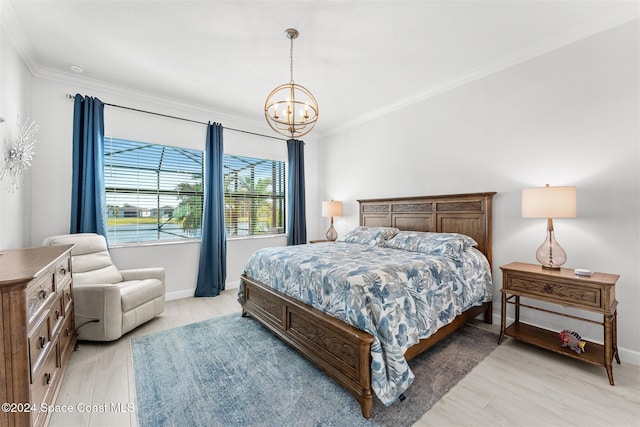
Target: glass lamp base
x,y
332,234
550,254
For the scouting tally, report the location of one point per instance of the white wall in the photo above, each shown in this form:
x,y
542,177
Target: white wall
x,y
15,104
52,170
569,117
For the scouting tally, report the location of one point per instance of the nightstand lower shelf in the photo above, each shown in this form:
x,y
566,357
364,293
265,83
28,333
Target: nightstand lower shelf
x,y
594,352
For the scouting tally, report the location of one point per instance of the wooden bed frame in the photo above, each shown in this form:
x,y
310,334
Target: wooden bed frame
x,y
342,351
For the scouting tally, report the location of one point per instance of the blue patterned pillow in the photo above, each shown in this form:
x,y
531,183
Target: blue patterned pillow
x,y
437,244
372,236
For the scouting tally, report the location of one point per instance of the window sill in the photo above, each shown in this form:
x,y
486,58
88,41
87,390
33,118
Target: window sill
x,y
154,243
262,236
192,241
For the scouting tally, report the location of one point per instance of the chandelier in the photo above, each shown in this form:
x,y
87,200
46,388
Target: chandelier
x,y
290,109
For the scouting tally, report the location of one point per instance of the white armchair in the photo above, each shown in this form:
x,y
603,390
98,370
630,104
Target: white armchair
x,y
109,302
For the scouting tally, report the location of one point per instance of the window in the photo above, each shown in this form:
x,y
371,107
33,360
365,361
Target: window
x,y
254,196
154,193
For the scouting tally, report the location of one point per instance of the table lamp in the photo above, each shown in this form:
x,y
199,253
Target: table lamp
x,y
330,209
549,202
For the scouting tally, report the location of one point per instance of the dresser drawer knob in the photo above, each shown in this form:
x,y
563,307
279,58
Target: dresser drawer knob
x,y
58,315
42,340
47,378
67,331
43,294
63,271
68,297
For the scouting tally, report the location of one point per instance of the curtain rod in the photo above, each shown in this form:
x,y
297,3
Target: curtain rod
x,y
183,119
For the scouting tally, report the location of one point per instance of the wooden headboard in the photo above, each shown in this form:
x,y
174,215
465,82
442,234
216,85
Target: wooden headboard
x,y
468,214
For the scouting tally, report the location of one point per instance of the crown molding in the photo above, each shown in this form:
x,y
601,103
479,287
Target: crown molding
x,y
13,29
10,23
565,38
137,95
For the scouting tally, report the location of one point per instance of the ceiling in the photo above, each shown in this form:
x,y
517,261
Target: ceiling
x,y
360,59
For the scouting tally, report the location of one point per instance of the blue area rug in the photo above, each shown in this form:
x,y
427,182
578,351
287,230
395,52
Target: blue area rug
x,y
230,371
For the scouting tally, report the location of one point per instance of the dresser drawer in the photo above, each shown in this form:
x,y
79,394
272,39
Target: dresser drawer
x,y
67,299
56,314
67,335
556,291
45,382
39,295
39,341
63,273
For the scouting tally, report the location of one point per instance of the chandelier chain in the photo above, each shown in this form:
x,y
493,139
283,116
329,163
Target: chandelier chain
x,y
291,59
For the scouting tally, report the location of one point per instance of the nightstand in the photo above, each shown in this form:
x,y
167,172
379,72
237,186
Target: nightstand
x,y
594,294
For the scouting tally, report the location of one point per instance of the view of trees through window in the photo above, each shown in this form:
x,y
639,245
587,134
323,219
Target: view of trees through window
x,y
155,193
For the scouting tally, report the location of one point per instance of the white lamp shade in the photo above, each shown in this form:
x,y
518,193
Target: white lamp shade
x,y
331,208
549,202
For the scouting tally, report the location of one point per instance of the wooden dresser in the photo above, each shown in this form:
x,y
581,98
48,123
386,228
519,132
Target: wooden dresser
x,y
37,331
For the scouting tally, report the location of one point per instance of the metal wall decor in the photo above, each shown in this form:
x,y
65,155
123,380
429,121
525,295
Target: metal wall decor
x,y
19,154
290,109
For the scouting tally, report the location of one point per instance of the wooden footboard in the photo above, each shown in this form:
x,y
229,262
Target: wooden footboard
x,y
340,350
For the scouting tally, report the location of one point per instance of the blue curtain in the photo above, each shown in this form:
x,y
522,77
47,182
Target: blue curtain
x,y
296,217
212,272
88,199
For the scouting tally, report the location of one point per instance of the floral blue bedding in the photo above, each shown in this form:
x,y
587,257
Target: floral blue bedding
x,y
399,296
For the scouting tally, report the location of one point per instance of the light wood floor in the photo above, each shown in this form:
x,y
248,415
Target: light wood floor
x,y
517,385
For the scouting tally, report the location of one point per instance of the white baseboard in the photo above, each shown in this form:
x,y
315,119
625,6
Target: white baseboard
x,y
185,293
232,285
188,293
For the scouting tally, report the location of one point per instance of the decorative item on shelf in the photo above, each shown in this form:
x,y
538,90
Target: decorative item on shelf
x,y
19,154
583,272
573,340
330,209
549,202
290,109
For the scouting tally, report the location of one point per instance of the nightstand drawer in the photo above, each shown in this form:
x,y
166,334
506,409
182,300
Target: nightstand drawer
x,y
556,291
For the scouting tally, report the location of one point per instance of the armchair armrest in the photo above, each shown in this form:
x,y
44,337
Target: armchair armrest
x,y
143,273
100,302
